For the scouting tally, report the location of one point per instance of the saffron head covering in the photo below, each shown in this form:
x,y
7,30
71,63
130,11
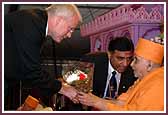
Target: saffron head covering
x,y
150,50
31,101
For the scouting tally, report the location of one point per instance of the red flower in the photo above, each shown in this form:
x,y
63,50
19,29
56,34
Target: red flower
x,y
82,76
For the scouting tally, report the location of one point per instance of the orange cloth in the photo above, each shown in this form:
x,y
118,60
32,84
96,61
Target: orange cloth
x,y
146,95
32,102
150,50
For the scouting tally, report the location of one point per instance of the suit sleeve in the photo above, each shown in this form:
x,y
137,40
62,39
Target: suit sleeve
x,y
23,63
44,83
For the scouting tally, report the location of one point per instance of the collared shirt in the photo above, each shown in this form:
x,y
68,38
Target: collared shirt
x,y
46,29
117,76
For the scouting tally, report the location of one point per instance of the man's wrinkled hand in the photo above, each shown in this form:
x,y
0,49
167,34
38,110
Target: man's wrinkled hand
x,y
69,92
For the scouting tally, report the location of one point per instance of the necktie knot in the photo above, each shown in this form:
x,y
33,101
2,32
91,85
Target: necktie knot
x,y
114,73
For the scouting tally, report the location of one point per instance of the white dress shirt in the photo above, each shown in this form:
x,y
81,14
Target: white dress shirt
x,y
47,29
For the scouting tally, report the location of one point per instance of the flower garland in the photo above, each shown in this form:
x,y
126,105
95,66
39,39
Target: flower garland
x,y
160,38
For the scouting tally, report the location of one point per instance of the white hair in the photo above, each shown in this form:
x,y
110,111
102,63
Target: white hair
x,y
66,10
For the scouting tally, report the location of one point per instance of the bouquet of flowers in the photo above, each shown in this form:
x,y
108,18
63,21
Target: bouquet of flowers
x,y
79,75
159,39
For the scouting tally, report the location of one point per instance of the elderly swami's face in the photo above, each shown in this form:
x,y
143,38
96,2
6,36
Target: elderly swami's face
x,y
63,28
140,66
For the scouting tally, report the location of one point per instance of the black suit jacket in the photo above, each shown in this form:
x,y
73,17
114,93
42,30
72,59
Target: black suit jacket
x,y
24,33
100,59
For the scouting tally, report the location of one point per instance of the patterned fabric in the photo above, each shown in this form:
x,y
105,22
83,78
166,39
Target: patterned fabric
x,y
112,88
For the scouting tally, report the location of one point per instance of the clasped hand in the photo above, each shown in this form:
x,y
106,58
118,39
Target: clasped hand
x,y
76,96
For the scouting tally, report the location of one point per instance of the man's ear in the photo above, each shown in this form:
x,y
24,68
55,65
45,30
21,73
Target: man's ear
x,y
57,19
60,22
150,66
110,54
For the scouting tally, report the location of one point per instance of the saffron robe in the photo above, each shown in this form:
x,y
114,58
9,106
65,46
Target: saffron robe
x,y
146,94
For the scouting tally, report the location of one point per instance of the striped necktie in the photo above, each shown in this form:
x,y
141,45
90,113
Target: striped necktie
x,y
112,87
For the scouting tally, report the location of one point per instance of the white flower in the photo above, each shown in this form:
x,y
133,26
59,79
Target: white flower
x,y
72,77
157,39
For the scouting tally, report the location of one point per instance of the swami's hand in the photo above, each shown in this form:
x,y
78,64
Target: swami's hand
x,y
97,102
88,99
69,92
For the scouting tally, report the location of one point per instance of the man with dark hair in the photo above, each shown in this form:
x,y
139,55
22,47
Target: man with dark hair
x,y
118,59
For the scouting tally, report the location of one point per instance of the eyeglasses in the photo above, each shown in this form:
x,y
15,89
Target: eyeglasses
x,y
71,30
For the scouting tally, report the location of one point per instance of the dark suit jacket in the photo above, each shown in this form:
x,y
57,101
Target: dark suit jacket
x,y
24,33
100,59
